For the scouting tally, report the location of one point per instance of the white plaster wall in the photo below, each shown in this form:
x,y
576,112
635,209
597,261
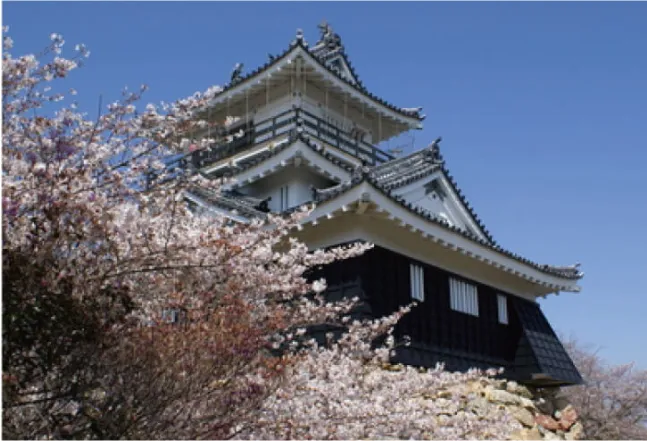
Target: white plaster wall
x,y
275,107
297,179
434,204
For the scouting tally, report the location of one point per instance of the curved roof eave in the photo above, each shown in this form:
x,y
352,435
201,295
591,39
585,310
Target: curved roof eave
x,y
300,46
566,272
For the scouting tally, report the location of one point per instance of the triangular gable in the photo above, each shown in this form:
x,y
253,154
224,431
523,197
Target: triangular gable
x,y
267,159
301,152
422,180
435,194
330,51
339,64
364,191
318,57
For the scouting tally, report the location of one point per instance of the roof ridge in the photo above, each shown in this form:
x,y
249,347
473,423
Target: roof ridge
x,y
300,43
431,153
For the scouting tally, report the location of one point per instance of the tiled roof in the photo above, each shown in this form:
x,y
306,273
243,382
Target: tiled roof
x,y
366,174
327,52
299,42
294,137
281,146
385,178
247,205
402,171
232,201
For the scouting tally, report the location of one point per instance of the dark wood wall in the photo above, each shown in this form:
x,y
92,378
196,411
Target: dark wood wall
x,y
384,278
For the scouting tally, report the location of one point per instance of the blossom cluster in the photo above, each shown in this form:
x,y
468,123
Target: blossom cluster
x,y
348,390
98,242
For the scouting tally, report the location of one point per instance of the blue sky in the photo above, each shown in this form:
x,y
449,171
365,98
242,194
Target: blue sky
x,y
542,108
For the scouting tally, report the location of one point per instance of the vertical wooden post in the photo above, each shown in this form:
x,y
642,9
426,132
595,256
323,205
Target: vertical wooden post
x,y
247,133
345,110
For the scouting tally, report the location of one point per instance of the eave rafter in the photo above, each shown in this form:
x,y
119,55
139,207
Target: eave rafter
x,y
494,256
256,81
294,149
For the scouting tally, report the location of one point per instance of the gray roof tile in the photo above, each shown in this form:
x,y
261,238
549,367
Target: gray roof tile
x,y
366,174
320,58
385,178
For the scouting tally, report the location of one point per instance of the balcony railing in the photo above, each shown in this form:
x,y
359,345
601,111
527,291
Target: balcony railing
x,y
285,123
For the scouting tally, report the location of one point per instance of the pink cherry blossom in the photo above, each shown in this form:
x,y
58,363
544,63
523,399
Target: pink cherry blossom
x,y
101,252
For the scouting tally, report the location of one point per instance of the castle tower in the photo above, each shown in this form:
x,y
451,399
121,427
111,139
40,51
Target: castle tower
x,y
307,131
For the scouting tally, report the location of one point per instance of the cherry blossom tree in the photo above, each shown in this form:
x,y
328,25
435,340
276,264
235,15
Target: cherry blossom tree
x,y
98,242
348,390
612,404
100,249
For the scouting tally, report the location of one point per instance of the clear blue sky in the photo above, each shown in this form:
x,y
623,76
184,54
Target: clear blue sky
x,y
542,108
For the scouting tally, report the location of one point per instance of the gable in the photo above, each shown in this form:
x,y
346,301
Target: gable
x,y
363,196
339,64
268,158
435,195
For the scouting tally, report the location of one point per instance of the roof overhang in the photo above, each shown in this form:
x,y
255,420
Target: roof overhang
x,y
217,211
275,153
256,82
296,154
364,199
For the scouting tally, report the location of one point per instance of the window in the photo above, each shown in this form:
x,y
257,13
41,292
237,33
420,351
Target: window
x,y
502,303
284,198
417,282
463,297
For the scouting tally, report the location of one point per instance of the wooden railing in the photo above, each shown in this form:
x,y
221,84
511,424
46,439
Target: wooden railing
x,y
341,139
288,122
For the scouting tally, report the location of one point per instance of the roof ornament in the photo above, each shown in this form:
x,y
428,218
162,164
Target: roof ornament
x,y
434,150
263,206
359,173
299,39
328,37
415,110
236,75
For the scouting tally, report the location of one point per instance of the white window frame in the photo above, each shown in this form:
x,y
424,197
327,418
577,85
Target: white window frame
x,y
463,297
502,309
285,201
417,278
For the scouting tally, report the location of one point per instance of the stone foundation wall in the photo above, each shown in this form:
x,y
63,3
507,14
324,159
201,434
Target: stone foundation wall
x,y
544,414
